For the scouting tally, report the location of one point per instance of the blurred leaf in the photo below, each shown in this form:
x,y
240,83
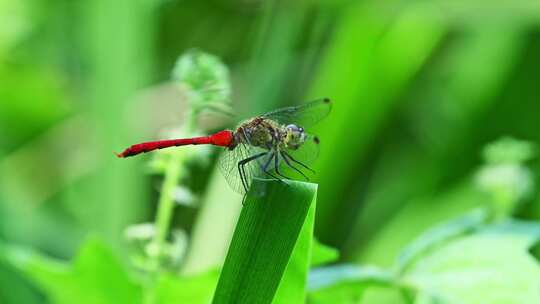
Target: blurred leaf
x,y
322,254
187,289
439,235
14,288
14,23
484,12
263,242
368,63
95,277
344,283
386,295
491,266
416,217
343,293
446,119
32,97
279,29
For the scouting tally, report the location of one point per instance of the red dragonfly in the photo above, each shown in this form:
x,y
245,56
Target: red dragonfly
x,y
259,146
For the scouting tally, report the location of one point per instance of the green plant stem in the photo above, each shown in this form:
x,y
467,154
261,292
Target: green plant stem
x,y
166,205
166,200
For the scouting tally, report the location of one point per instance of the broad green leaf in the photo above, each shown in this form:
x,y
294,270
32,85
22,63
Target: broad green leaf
x,y
263,241
343,293
439,235
14,288
345,283
186,289
95,277
322,254
491,266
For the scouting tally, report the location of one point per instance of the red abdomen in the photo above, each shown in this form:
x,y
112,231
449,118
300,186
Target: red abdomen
x,y
221,138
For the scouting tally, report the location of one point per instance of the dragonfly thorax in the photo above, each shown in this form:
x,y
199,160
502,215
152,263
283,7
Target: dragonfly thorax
x,y
268,134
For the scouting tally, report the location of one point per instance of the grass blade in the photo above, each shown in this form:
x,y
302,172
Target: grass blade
x,y
292,288
265,236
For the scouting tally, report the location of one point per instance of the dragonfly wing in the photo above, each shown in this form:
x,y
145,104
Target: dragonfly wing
x,y
228,164
297,162
305,115
306,154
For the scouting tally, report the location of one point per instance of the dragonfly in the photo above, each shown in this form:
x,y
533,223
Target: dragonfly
x,y
260,146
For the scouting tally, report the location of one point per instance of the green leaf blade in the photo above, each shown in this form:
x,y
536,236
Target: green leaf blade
x,y
264,239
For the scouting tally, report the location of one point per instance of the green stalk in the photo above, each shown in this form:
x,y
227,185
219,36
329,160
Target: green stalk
x,y
166,200
166,206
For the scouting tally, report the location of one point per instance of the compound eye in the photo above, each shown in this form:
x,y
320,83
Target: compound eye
x,y
301,129
293,127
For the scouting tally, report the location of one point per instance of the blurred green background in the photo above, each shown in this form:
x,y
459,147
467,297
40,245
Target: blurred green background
x,y
420,87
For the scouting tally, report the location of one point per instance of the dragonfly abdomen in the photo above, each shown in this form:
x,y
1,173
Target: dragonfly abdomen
x,y
221,138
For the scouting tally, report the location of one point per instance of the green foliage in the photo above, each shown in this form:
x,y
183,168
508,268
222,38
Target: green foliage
x,y
480,274
322,254
345,283
454,263
438,236
368,63
420,87
196,289
14,25
96,276
275,220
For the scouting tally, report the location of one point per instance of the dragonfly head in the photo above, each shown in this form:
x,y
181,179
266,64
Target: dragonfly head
x,y
295,136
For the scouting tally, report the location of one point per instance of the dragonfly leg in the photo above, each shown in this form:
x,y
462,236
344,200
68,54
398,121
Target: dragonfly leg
x,y
301,164
267,164
276,166
241,173
293,167
241,169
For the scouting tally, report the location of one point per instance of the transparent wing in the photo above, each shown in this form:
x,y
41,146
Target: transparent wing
x,y
308,152
296,163
305,115
228,164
